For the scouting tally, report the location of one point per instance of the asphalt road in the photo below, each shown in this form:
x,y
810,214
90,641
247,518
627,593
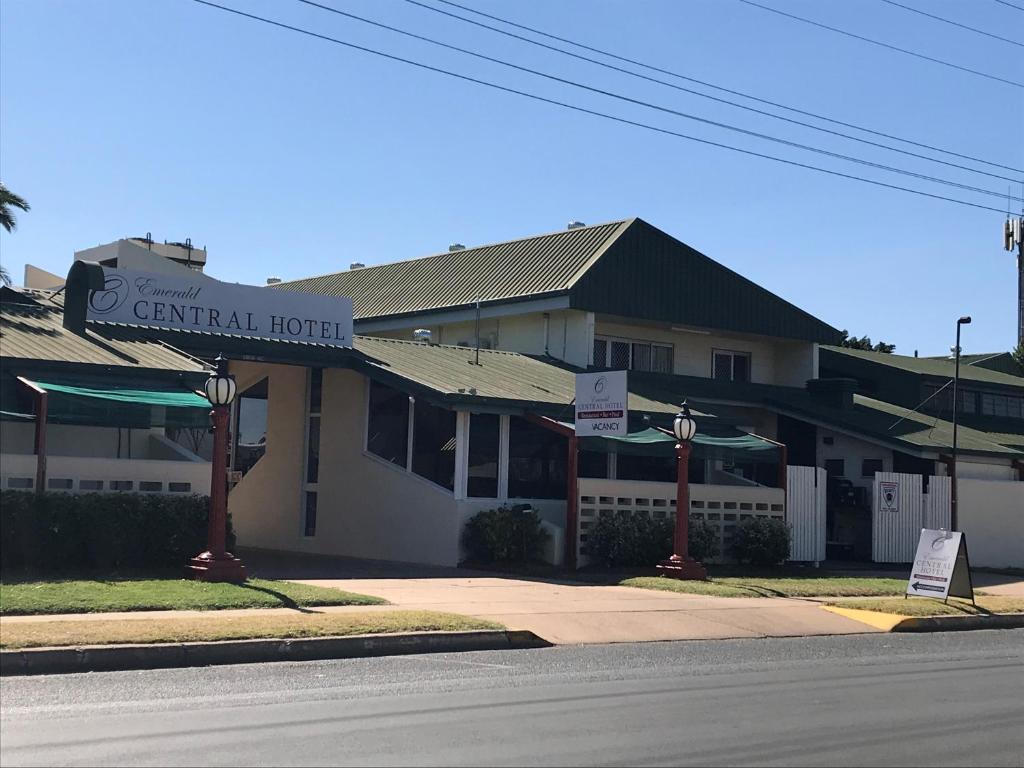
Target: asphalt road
x,y
939,699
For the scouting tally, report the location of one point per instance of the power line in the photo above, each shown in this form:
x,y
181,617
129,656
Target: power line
x,y
702,95
891,47
1012,5
657,107
706,84
954,23
587,111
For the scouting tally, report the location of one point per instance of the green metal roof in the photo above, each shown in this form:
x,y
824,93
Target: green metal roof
x,y
624,268
516,379
518,269
846,359
34,333
903,429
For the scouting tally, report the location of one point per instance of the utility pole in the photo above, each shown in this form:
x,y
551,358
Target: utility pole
x,y
1013,237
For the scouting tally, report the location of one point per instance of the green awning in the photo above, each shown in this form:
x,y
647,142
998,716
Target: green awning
x,y
134,407
167,398
654,442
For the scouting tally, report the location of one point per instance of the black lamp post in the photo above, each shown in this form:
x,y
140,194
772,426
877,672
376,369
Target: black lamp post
x,y
953,520
216,563
680,565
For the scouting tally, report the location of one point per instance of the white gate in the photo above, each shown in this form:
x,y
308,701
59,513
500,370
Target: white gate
x,y
897,516
805,512
937,503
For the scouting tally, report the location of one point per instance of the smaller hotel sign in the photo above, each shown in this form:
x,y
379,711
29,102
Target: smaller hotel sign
x,y
208,305
601,404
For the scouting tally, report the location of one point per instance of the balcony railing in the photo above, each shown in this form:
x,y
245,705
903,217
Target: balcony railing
x,y
75,474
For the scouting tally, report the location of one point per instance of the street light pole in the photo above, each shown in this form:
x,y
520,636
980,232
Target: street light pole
x,y
953,518
216,563
680,565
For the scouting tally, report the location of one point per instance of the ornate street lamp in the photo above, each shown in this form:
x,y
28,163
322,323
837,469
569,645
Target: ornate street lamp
x,y
216,563
680,565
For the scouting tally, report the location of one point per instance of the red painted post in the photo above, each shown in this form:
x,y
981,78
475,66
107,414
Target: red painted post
x,y
681,565
571,502
40,444
217,526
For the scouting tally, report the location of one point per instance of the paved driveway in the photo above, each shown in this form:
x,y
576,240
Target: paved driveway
x,y
563,612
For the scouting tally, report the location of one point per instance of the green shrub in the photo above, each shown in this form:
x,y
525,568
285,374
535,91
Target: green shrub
x,y
504,535
100,533
761,541
624,539
702,540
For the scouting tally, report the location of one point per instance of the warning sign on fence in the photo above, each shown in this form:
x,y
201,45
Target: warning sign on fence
x,y
890,496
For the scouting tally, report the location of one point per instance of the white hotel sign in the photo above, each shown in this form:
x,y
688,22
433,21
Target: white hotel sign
x,y
601,404
204,304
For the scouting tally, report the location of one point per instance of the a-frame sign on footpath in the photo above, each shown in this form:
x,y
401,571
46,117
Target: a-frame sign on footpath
x,y
941,567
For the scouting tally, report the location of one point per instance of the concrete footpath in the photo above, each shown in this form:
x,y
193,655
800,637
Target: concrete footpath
x,y
571,613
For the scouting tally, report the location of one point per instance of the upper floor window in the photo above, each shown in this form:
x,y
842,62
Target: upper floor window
x,y
727,365
625,354
1005,406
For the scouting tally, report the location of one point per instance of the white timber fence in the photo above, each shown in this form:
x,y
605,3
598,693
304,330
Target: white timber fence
x,y
805,512
722,506
900,509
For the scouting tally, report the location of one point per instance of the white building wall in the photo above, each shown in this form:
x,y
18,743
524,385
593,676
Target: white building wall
x,y
788,363
566,334
82,441
991,514
853,452
976,468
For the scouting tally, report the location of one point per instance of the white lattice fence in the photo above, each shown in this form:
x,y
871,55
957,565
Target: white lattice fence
x,y
805,512
897,517
722,506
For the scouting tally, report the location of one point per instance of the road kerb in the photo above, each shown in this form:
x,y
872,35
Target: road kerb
x,y
106,658
892,622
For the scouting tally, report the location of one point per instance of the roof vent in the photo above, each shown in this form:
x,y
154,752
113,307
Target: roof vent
x,y
356,265
421,334
456,247
273,280
575,225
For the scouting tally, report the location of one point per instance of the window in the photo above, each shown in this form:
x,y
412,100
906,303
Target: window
x,y
251,426
730,366
484,434
1003,406
941,401
868,467
536,461
592,464
313,410
387,424
623,354
835,468
660,469
433,444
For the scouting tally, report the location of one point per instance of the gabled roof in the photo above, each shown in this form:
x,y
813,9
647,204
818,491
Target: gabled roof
x,y
624,268
847,360
518,269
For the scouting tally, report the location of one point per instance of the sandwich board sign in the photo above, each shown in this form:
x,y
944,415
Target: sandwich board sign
x,y
601,404
941,568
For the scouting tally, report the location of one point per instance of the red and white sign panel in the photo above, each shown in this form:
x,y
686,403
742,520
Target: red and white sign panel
x,y
602,404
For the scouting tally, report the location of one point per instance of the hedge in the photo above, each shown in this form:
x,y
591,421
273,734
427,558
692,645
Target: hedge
x,y
100,533
504,535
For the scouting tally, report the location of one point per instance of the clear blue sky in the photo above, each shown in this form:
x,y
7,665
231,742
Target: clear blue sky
x,y
288,156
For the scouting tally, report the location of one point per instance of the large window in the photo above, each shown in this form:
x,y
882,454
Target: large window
x,y
1004,406
251,426
625,354
484,436
727,365
387,426
537,461
941,399
433,444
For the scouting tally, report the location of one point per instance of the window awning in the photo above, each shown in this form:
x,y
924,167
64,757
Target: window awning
x,y
136,407
167,398
727,444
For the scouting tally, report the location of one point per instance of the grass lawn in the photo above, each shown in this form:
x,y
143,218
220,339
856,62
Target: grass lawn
x,y
94,596
36,634
785,586
926,606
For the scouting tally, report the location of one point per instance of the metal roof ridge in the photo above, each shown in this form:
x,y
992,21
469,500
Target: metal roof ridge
x,y
624,225
449,253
